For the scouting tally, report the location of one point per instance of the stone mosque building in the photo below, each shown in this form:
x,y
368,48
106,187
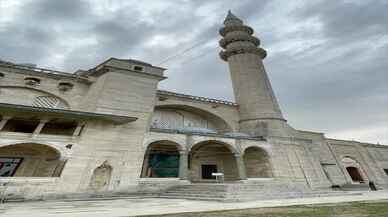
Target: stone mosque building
x,y
110,131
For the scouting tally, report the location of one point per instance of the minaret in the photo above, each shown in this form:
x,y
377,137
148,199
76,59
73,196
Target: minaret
x,y
259,111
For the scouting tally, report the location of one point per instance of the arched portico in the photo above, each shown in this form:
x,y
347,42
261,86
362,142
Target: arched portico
x,y
211,156
30,160
256,161
162,160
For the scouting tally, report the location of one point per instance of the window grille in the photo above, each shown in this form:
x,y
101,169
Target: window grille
x,y
48,102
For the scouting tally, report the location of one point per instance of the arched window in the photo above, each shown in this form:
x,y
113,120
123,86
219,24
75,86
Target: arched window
x,y
32,81
65,86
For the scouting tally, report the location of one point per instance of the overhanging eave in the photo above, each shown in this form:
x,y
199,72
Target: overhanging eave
x,y
13,109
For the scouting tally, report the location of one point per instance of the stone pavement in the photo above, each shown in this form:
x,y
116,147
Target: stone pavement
x,y
153,206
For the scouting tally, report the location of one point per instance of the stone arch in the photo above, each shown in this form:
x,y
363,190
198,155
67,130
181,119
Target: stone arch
x,y
59,148
228,145
354,169
220,124
171,142
101,177
27,96
30,160
161,159
180,142
212,156
257,163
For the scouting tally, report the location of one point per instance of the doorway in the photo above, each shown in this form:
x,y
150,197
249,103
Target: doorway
x,y
355,174
208,170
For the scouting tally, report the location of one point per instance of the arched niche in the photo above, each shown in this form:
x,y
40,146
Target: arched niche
x,y
188,118
257,164
354,170
31,97
101,177
30,160
161,160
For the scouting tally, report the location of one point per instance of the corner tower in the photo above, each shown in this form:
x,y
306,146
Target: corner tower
x,y
259,111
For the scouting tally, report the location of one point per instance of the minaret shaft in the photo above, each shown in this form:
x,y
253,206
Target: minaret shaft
x,y
259,111
252,89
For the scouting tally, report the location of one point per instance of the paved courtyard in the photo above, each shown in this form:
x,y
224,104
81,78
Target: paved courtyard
x,y
154,206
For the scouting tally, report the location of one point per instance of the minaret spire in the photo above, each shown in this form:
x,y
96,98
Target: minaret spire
x,y
258,106
230,17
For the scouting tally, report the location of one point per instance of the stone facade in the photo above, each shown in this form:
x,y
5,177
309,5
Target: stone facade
x,y
110,130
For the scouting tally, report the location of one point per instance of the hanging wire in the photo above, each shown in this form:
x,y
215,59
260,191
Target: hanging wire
x,y
198,44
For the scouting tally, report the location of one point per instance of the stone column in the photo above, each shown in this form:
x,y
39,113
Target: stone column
x,y
78,129
183,167
240,167
4,121
144,169
39,127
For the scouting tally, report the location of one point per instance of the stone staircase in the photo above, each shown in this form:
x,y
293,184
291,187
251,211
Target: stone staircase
x,y
245,192
216,192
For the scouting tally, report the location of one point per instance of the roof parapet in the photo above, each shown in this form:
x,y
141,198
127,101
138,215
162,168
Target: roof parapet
x,y
196,98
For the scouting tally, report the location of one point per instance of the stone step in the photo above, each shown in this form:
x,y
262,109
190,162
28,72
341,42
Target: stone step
x,y
243,192
196,192
202,186
355,187
196,195
192,198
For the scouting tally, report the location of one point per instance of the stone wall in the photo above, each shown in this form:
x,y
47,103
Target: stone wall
x,y
15,90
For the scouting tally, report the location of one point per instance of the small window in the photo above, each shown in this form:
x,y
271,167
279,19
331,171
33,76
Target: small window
x,y
32,81
1,75
21,125
65,86
138,68
386,171
64,128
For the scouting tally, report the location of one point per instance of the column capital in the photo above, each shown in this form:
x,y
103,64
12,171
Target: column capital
x,y
236,155
81,122
44,120
181,152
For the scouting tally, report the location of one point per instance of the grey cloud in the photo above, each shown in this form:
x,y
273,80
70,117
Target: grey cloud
x,y
57,11
24,44
348,19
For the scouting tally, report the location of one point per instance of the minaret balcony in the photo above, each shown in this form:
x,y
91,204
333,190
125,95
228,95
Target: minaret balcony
x,y
244,28
238,37
234,51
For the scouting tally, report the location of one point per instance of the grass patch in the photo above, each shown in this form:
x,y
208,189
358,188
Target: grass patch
x,y
354,209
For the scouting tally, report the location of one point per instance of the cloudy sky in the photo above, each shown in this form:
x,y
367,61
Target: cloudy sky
x,y
327,60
